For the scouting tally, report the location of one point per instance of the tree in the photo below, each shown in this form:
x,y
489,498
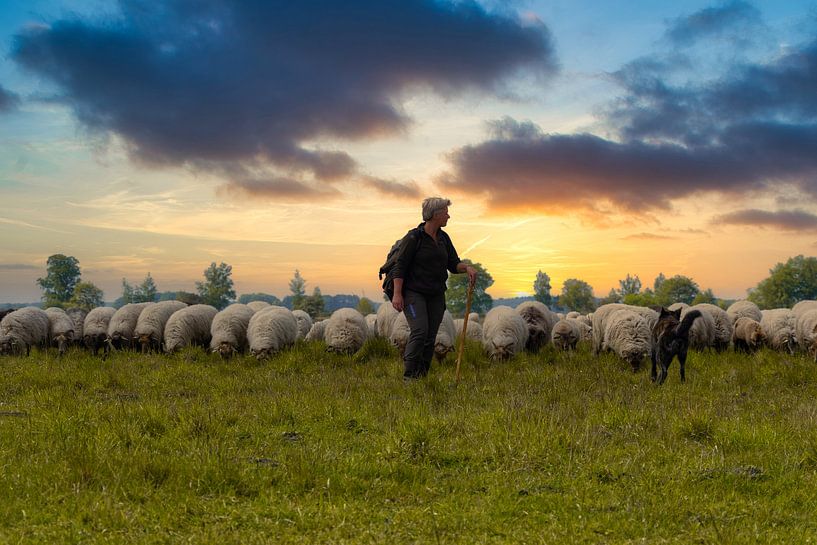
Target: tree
x,y
644,299
365,306
659,280
678,289
86,296
577,295
266,297
313,305
127,294
189,298
612,297
705,296
62,276
541,288
455,296
787,284
297,286
147,290
630,285
217,288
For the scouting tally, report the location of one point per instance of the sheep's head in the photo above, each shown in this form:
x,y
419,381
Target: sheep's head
x,y
225,350
262,353
502,349
61,341
756,337
6,345
634,357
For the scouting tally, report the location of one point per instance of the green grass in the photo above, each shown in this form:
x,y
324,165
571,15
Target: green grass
x,y
312,447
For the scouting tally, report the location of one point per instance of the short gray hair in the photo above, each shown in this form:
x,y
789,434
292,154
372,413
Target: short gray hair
x,y
432,204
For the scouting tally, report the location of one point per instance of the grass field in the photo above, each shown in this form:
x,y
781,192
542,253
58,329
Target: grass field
x,y
316,448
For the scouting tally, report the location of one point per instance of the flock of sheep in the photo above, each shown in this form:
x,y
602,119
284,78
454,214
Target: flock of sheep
x,y
261,330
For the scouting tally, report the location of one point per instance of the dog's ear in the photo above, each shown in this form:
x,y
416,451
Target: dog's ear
x,y
661,311
677,313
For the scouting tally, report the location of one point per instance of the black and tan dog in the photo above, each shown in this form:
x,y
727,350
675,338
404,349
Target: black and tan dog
x,y
670,338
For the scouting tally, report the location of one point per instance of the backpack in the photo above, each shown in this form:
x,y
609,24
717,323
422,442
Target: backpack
x,y
387,268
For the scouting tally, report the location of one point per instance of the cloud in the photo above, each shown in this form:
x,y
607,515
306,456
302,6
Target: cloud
x,y
8,100
408,190
786,220
18,267
647,236
731,19
276,188
255,82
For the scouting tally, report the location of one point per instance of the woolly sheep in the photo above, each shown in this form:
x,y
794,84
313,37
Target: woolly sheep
x,y
22,329
60,328
123,324
473,318
95,328
743,308
779,326
676,306
77,316
346,331
304,322
228,332
568,332
504,333
399,332
723,325
748,335
804,306
702,332
601,315
189,326
149,332
572,315
258,305
371,323
628,334
807,331
316,331
474,332
386,315
271,330
540,321
446,337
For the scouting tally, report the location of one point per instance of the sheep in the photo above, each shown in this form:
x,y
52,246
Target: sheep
x,y
804,306
228,332
371,322
123,325
748,335
271,330
150,326
399,332
629,335
474,332
473,318
567,333
779,326
602,314
22,329
77,316
540,321
806,331
258,305
723,325
316,331
572,315
189,326
60,328
386,315
676,306
95,328
304,322
702,332
346,331
446,337
504,333
743,308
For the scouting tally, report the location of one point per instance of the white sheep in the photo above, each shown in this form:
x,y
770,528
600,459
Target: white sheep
x,y
386,315
271,330
371,322
779,326
572,315
346,331
150,326
504,333
77,316
703,330
228,332
123,324
723,325
60,328
748,335
806,331
399,332
258,305
804,306
95,328
601,315
22,329
189,326
629,335
304,322
474,332
446,337
473,318
316,331
743,308
540,321
676,306
567,333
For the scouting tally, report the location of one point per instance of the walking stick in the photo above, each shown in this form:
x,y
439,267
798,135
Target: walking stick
x,y
464,327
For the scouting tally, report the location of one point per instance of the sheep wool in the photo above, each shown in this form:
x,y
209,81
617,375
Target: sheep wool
x,y
702,332
95,328
189,326
258,305
568,332
742,308
316,331
399,332
271,330
504,333
804,306
806,331
779,327
150,326
371,323
473,318
60,328
629,336
474,332
228,332
346,331
446,337
386,315
22,329
123,324
722,334
540,321
748,335
601,315
304,322
77,316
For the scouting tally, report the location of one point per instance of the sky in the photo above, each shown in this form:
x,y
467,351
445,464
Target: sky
x,y
586,139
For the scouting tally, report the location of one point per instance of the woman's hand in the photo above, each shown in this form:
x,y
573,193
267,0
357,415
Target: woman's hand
x,y
397,302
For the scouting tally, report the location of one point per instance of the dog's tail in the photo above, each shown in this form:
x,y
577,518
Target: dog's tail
x,y
682,330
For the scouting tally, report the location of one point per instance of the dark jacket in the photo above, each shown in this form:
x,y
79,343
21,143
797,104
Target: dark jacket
x,y
426,271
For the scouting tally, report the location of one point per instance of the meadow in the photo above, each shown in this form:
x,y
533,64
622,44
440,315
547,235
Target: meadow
x,y
310,447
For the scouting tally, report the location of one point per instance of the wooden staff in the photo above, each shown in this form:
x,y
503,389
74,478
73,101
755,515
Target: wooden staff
x,y
464,327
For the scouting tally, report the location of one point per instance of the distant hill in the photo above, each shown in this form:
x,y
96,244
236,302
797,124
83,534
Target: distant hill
x,y
511,301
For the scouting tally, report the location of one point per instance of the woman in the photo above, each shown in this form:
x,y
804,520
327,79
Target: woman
x,y
425,256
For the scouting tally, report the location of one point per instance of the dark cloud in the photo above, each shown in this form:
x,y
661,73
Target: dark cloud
x,y
189,82
286,189
408,190
8,100
733,20
752,129
787,220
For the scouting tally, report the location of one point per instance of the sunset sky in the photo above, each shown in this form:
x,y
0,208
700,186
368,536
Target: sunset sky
x,y
587,139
